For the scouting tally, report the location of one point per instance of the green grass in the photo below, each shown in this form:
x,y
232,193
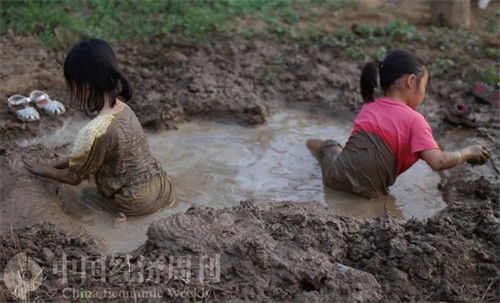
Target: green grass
x,y
61,23
56,21
440,66
492,76
357,42
493,53
269,73
393,30
492,23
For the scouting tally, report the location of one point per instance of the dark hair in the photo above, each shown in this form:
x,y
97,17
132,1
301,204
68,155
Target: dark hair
x,y
91,71
394,66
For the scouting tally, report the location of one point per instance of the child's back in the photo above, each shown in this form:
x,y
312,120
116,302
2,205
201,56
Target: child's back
x,y
114,150
403,129
111,149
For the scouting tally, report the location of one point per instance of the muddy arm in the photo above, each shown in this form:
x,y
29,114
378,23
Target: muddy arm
x,y
61,163
60,175
439,160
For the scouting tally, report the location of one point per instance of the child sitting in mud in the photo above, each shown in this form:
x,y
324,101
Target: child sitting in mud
x,y
389,135
112,148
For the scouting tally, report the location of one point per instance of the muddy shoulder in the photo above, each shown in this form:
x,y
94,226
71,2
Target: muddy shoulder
x,y
267,251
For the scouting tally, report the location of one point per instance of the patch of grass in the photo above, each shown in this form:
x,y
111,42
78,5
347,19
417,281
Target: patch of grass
x,y
356,52
380,53
493,53
448,39
60,23
370,31
401,29
357,40
396,29
51,20
269,73
492,76
441,66
492,23
341,38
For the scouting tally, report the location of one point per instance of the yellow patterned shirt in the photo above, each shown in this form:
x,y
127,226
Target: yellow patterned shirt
x,y
113,150
82,159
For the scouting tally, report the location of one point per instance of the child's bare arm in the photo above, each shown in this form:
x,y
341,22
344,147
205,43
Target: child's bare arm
x,y
439,160
60,175
61,163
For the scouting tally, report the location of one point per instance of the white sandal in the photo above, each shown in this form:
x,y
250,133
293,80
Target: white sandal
x,y
43,102
19,105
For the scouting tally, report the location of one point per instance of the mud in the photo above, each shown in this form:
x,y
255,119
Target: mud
x,y
286,251
291,251
217,164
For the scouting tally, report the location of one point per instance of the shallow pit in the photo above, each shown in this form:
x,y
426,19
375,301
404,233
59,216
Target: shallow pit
x,y
218,164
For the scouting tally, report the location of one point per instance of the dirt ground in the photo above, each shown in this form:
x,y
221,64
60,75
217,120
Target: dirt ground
x,y
268,251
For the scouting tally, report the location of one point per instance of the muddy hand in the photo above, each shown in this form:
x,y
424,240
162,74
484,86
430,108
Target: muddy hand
x,y
478,155
34,168
120,218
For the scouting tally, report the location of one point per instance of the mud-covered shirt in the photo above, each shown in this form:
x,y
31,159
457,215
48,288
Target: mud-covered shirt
x,y
113,150
404,130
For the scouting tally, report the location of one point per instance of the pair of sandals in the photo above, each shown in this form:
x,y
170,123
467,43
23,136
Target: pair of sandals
x,y
21,106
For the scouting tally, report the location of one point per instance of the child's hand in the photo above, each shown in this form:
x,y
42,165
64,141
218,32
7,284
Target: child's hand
x,y
35,168
478,155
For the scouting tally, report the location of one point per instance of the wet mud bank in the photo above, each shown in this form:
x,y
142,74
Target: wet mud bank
x,y
291,252
246,80
269,250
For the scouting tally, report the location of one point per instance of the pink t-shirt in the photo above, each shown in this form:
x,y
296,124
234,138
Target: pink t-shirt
x,y
404,130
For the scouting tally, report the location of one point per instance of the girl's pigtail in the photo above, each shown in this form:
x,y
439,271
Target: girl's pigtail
x,y
126,90
369,80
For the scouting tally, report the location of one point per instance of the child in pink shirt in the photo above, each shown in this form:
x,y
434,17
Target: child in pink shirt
x,y
389,135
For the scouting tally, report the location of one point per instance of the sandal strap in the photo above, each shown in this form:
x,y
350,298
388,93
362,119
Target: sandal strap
x,y
41,97
19,100
42,102
16,107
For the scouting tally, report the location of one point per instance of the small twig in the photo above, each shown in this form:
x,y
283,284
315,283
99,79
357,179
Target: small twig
x,y
212,288
380,257
494,299
487,289
17,245
493,165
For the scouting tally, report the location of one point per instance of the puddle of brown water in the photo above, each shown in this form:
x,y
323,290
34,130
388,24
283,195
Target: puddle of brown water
x,y
215,164
218,165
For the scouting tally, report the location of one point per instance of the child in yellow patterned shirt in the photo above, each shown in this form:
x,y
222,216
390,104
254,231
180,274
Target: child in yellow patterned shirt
x,y
112,148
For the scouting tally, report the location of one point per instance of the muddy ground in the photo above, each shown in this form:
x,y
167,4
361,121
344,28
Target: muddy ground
x,y
268,250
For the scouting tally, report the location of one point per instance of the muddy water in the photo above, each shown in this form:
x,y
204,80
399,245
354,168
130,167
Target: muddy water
x,y
219,164
216,164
